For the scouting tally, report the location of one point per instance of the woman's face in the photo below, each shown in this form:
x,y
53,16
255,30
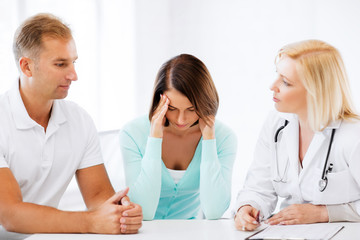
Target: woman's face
x,y
289,92
181,113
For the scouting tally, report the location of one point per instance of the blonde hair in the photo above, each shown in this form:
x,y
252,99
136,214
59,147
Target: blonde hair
x,y
28,36
322,72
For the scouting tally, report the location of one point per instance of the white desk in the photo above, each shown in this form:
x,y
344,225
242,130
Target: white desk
x,y
189,229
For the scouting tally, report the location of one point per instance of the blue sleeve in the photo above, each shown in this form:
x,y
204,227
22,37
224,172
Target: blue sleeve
x,y
216,174
142,173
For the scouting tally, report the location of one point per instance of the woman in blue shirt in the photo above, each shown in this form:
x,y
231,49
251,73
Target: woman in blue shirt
x,y
179,159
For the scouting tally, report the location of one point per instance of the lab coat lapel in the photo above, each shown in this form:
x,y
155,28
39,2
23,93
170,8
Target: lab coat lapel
x,y
317,143
309,158
291,140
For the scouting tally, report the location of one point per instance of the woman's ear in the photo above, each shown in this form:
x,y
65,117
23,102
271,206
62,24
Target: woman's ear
x,y
25,66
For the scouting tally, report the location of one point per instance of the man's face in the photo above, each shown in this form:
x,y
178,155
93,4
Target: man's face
x,y
54,70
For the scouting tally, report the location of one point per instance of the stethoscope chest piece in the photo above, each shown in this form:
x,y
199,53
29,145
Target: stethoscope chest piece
x,y
323,184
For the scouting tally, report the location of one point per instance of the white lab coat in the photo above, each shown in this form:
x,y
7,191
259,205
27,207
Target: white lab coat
x,y
302,186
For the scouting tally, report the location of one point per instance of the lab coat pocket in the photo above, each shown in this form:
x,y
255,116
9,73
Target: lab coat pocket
x,y
341,188
282,188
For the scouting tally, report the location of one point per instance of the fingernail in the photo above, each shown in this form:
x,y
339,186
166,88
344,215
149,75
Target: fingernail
x,y
125,214
126,203
255,222
122,220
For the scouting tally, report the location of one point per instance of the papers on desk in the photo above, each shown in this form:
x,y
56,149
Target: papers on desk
x,y
306,231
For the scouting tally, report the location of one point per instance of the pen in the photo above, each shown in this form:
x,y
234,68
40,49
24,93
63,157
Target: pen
x,y
258,216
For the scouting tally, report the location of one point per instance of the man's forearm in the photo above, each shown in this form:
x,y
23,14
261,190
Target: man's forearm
x,y
32,218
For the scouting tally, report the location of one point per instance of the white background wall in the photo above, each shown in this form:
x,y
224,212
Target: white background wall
x,y
122,44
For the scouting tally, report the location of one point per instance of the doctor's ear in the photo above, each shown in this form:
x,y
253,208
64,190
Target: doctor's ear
x,y
26,65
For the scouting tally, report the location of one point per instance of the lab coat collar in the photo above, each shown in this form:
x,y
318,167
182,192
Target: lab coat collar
x,y
293,117
291,140
333,125
21,117
288,116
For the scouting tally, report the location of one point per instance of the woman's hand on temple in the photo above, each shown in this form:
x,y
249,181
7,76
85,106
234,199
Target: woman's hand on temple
x,y
158,118
207,128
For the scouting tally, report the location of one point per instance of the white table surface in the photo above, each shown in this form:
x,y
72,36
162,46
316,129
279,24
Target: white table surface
x,y
190,229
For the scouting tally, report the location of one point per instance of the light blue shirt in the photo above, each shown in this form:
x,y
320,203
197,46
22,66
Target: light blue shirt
x,y
206,182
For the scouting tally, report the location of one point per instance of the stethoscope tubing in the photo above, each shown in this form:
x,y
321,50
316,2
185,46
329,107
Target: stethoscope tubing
x,y
323,176
279,178
324,172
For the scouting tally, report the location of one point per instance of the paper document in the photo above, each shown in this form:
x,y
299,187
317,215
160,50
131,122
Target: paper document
x,y
305,231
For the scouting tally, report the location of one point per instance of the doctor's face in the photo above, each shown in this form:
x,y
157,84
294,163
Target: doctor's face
x,y
181,113
289,92
53,70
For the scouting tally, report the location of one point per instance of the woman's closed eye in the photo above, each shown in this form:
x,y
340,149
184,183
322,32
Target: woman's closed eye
x,y
285,82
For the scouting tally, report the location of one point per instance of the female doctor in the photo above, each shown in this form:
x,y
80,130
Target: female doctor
x,y
308,152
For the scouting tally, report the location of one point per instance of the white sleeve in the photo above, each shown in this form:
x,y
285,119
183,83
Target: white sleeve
x,y
3,162
348,211
258,190
343,212
92,153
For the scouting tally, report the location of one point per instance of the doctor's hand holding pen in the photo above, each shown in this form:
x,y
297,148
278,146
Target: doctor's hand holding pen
x,y
247,218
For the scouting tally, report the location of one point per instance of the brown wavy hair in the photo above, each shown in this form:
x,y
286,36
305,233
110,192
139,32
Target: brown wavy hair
x,y
188,75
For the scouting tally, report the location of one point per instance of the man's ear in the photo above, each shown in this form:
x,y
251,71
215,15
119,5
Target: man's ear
x,y
25,66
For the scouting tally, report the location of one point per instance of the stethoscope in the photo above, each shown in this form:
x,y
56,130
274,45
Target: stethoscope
x,y
323,182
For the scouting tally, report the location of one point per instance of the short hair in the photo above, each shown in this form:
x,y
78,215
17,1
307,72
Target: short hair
x,y
322,72
28,37
188,75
